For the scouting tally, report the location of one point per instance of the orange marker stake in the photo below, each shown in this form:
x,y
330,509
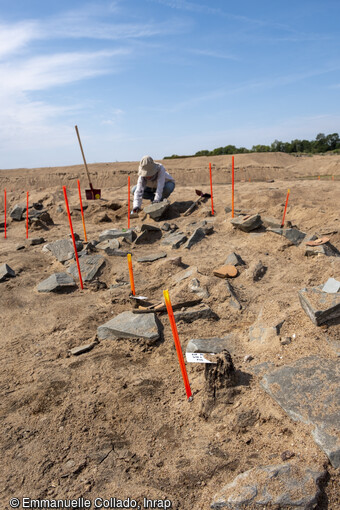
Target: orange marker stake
x,y
132,283
332,177
128,201
284,214
82,211
5,207
232,186
319,177
211,191
73,239
27,215
177,344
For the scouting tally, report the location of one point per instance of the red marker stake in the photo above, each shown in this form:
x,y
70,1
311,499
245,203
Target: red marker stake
x,y
27,215
82,211
73,239
5,208
132,282
128,201
211,191
232,186
284,214
177,344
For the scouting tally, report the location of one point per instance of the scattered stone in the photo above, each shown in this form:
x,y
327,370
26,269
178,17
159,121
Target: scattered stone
x,y
196,312
45,218
129,325
36,240
152,257
17,211
248,358
57,282
286,340
150,228
156,211
20,247
320,306
262,334
213,345
227,210
234,300
108,245
113,233
326,249
309,391
63,249
286,455
6,272
175,240
195,286
81,349
269,222
294,235
196,237
116,253
259,271
234,259
165,227
280,486
183,275
247,223
60,209
228,271
105,218
90,266
149,235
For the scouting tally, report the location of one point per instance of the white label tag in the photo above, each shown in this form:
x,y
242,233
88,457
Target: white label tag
x,y
198,357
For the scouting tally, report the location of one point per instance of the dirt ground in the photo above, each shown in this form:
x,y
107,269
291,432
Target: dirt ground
x,y
115,422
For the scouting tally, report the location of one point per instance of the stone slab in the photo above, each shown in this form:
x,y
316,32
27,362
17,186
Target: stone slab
x,y
17,212
175,240
194,313
82,349
321,307
108,244
90,266
156,211
130,325
234,259
270,222
213,345
6,272
36,241
286,486
332,286
152,257
293,235
63,249
309,391
195,238
186,273
247,223
113,233
148,236
57,282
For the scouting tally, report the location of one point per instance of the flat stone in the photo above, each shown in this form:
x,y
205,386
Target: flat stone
x,y
63,249
109,244
194,313
332,286
186,273
152,257
195,238
175,240
262,334
195,286
259,271
116,253
320,306
234,259
20,247
148,236
234,300
129,325
280,486
150,228
81,349
90,265
309,391
293,235
213,345
36,241
6,272
17,211
246,224
327,250
156,211
57,282
113,233
269,222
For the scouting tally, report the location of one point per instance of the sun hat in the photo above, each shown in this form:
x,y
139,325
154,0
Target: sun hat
x,y
147,167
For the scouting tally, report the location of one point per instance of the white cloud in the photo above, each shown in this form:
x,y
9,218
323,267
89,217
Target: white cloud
x,y
16,37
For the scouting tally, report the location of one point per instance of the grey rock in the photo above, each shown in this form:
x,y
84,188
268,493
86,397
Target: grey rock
x,y
6,272
227,210
20,247
334,344
156,211
17,211
234,259
81,349
150,228
108,245
194,313
280,486
63,249
309,391
262,334
116,253
294,235
248,224
148,235
183,275
259,271
196,237
269,222
234,299
36,241
213,345
331,286
129,235
45,218
320,306
90,266
57,282
129,325
165,227
326,249
195,286
152,257
175,240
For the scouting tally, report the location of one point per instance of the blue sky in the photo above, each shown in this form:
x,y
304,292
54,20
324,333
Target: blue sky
x,y
163,77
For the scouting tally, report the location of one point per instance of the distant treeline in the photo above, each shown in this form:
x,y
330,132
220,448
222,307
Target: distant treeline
x,y
322,143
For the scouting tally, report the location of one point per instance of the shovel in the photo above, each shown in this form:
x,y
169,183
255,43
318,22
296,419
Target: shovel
x,y
92,193
201,197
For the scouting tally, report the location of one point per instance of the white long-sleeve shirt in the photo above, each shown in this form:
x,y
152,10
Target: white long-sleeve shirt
x,y
156,182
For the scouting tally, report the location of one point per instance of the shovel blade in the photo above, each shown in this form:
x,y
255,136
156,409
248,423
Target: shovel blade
x,y
94,194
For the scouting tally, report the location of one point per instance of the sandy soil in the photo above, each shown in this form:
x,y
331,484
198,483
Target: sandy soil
x,y
115,422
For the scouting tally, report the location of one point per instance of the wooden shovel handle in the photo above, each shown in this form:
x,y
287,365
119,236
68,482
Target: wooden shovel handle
x,y
81,148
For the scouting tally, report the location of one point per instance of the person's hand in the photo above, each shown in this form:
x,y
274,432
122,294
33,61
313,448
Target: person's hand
x,y
136,210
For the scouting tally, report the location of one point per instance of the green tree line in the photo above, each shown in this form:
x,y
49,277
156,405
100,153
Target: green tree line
x,y
322,143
